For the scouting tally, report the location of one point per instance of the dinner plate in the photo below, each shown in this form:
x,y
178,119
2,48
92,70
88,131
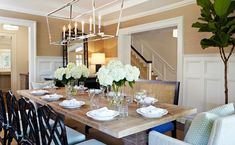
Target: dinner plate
x,y
101,118
78,104
39,92
157,115
102,114
52,97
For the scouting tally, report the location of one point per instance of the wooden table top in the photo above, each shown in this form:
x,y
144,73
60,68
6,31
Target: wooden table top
x,y
120,127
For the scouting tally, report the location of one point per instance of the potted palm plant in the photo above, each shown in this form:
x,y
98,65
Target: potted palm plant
x,y
217,18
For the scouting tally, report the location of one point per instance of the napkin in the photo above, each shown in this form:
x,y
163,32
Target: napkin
x,y
151,110
96,91
39,91
72,102
103,112
53,96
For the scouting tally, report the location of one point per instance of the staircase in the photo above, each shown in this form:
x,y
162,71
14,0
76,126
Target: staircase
x,y
159,68
142,66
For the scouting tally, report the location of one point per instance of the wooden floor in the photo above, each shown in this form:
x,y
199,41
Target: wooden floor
x,y
109,140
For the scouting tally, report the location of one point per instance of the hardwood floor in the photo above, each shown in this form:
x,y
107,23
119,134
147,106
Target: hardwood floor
x,y
109,140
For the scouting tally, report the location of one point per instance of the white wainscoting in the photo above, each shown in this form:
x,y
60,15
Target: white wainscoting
x,y
203,85
46,65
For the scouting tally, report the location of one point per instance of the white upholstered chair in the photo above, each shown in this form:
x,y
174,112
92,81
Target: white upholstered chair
x,y
222,133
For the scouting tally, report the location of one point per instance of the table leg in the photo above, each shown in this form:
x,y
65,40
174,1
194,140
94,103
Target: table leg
x,y
136,139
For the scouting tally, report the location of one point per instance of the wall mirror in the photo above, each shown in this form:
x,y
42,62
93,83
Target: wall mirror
x,y
75,52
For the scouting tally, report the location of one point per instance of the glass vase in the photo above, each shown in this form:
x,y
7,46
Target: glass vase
x,y
116,102
70,90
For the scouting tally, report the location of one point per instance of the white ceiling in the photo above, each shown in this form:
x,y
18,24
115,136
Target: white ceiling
x,y
133,8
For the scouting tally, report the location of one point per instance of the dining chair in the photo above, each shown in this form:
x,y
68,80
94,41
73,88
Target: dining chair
x,y
164,91
3,119
59,134
14,122
30,126
218,131
56,133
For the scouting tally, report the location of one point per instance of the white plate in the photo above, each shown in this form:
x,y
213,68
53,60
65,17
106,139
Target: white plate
x,y
49,87
102,114
157,115
101,118
78,104
52,97
80,88
39,92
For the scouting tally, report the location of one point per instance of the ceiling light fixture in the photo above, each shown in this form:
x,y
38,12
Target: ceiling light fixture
x,y
71,33
10,27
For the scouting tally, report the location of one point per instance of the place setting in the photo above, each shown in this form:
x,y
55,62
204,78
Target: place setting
x,y
103,114
146,104
71,104
39,92
52,97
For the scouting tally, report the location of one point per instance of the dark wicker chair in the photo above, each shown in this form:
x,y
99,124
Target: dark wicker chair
x,y
30,124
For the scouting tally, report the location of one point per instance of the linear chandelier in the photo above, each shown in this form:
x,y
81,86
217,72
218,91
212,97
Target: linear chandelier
x,y
71,32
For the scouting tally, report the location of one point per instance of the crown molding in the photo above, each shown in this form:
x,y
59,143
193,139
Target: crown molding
x,y
155,11
20,10
116,7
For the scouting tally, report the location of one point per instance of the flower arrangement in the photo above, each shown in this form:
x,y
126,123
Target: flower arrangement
x,y
116,74
71,73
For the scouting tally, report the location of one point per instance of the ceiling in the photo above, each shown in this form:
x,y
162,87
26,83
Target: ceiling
x,y
132,8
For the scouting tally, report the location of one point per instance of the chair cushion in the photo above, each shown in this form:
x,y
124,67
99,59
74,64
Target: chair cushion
x,y
200,129
224,110
91,142
164,127
74,136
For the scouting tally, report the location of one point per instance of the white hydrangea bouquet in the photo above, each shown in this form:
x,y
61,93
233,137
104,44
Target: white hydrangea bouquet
x,y
116,74
71,73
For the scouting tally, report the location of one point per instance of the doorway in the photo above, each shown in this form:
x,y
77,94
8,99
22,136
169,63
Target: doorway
x,y
124,41
31,42
14,56
5,62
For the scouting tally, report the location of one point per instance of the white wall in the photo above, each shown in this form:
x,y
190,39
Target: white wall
x,y
46,66
203,85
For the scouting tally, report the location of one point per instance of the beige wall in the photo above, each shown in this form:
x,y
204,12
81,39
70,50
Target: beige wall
x,y
20,65
191,36
43,46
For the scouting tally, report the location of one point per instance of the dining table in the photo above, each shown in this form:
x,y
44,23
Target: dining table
x,y
132,128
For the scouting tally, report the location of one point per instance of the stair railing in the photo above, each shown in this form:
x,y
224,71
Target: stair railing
x,y
147,62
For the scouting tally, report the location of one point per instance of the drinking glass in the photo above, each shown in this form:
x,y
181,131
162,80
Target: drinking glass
x,y
123,110
94,101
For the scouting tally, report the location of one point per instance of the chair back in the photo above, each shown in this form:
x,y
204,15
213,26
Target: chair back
x,y
3,117
29,122
51,133
13,116
223,131
40,85
164,91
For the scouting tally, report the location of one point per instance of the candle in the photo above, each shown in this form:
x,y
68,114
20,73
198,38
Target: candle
x,y
69,26
90,25
82,27
75,28
99,26
64,29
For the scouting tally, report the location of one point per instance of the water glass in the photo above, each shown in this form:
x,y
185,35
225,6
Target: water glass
x,y
94,101
123,110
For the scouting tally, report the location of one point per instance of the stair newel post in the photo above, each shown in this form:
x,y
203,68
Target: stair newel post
x,y
149,70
